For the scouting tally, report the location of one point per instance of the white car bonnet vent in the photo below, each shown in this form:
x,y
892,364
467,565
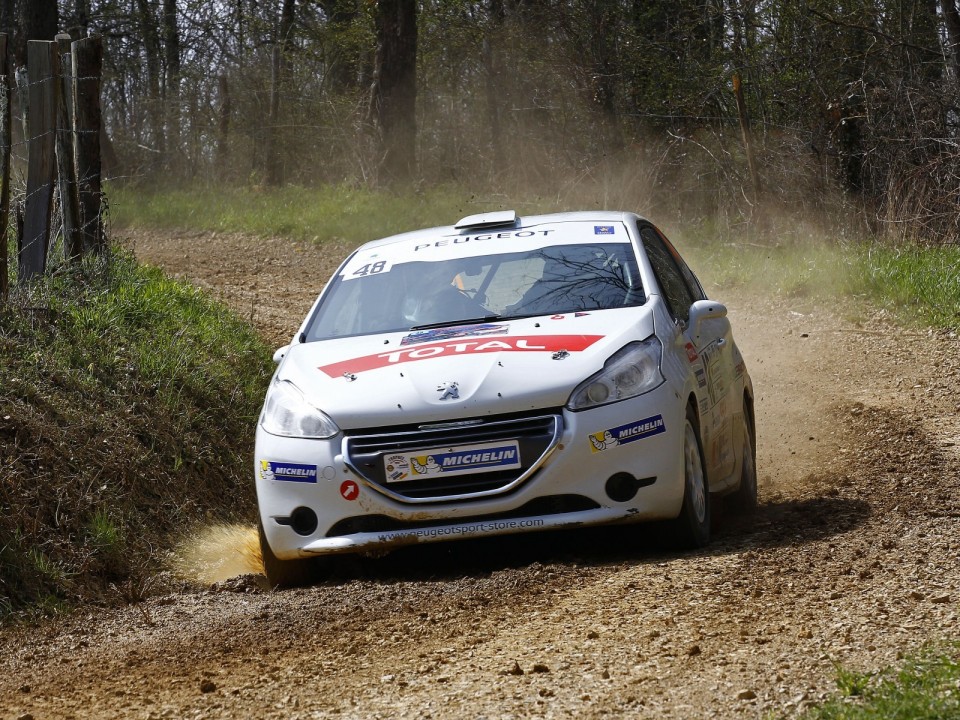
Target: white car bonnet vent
x,y
488,220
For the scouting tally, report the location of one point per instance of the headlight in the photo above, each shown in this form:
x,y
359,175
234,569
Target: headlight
x,y
286,412
631,371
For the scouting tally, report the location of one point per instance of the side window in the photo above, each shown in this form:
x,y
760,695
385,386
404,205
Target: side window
x,y
666,266
692,282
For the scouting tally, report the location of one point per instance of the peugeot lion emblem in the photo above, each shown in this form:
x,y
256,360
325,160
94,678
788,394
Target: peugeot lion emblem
x,y
448,391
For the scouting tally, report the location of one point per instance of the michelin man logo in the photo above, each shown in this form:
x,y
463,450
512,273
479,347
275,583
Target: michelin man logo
x,y
603,441
266,473
425,465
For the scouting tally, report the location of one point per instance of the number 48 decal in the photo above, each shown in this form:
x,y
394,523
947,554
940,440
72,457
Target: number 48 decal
x,y
370,269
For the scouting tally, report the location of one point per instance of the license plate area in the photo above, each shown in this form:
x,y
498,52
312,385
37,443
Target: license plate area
x,y
450,462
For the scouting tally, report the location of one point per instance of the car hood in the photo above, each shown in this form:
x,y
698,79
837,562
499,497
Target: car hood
x,y
460,371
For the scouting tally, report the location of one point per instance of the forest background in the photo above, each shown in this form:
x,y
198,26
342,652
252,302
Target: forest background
x,y
846,108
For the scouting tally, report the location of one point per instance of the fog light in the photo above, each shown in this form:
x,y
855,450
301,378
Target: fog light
x,y
304,521
623,486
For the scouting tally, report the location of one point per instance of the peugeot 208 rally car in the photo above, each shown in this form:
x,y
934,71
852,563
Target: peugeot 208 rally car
x,y
502,375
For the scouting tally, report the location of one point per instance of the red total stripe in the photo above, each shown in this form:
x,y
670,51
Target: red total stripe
x,y
463,346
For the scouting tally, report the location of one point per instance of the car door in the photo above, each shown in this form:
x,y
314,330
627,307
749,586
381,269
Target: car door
x,y
708,348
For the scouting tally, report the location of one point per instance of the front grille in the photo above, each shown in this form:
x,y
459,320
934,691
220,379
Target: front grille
x,y
536,437
547,505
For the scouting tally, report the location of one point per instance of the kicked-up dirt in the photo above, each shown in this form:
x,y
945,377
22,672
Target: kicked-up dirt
x,y
851,560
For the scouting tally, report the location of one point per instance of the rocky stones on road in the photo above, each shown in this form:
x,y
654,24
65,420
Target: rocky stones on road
x,y
824,575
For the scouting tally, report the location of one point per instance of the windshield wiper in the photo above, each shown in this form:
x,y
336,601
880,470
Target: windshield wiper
x,y
486,319
455,323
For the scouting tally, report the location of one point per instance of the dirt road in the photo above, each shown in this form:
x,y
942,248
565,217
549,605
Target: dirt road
x,y
853,559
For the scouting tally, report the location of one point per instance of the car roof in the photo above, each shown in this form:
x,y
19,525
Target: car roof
x,y
522,221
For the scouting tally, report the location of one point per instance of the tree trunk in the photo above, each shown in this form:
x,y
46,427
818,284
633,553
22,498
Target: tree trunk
x,y
8,26
394,95
951,18
35,19
82,9
287,16
274,170
43,76
747,138
343,70
4,162
40,19
603,70
282,68
91,139
223,125
151,46
171,37
492,62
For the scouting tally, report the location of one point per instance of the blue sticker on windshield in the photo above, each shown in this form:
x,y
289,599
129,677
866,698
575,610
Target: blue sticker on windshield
x,y
603,229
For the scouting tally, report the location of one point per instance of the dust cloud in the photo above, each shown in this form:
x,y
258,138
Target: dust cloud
x,y
218,552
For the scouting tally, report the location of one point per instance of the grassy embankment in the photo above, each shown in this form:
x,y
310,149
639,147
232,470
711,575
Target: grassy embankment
x,y
127,407
919,285
924,687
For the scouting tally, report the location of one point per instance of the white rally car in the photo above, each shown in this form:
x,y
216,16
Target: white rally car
x,y
502,375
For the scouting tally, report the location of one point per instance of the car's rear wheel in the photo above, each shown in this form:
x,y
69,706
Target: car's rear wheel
x,y
691,528
744,500
288,573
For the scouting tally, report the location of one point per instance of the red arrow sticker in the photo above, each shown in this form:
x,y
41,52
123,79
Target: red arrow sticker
x,y
349,490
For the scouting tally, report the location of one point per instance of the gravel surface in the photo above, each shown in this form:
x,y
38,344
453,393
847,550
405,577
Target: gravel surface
x,y
852,559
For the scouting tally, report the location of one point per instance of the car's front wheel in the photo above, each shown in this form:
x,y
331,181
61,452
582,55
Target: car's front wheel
x,y
288,573
691,528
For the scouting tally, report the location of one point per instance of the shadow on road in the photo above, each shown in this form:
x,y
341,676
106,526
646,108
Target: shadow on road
x,y
775,524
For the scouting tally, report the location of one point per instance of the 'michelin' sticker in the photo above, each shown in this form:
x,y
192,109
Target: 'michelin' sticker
x,y
624,434
289,472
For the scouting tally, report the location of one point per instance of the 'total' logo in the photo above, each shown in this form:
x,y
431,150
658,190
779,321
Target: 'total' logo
x,y
502,343
349,490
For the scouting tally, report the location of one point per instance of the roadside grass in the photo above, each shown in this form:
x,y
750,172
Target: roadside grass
x,y
787,257
330,212
924,687
127,407
920,286
918,282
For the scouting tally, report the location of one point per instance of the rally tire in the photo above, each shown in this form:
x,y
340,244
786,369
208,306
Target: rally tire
x,y
288,573
744,499
691,528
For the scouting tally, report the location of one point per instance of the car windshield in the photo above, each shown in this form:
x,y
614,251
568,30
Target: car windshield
x,y
383,296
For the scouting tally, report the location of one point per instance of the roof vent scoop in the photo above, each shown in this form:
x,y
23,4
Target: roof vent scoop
x,y
488,220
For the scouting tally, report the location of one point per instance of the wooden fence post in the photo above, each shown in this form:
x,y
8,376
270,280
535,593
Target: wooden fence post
x,y
87,69
43,77
5,136
66,169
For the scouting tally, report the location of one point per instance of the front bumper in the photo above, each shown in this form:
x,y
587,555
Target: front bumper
x,y
640,438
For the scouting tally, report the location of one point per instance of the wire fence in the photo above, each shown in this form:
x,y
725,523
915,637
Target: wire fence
x,y
51,173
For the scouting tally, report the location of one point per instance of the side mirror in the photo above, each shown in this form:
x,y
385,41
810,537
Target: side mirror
x,y
704,310
278,355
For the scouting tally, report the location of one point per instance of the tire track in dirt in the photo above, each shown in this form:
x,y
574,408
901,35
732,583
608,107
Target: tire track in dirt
x,y
852,559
